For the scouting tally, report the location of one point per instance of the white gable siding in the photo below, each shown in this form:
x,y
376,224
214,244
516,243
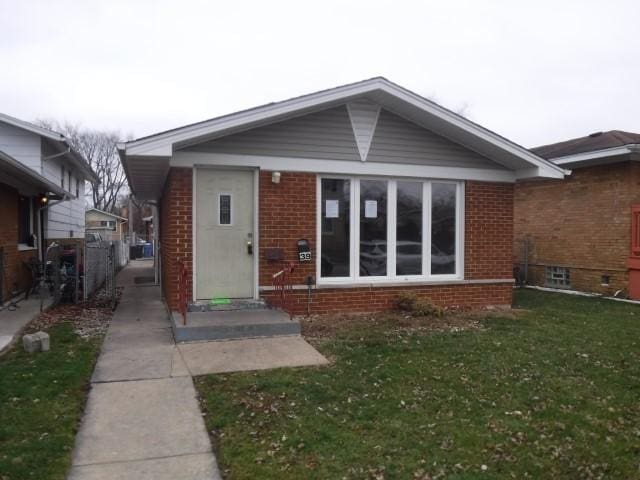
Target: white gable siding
x,y
22,145
364,116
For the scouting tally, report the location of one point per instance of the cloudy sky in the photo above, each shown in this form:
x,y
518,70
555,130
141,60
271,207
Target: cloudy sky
x,y
535,72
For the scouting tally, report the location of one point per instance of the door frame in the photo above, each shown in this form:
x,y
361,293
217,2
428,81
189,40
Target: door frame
x,y
255,230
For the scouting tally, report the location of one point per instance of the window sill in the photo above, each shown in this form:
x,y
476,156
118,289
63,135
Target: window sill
x,y
396,283
23,247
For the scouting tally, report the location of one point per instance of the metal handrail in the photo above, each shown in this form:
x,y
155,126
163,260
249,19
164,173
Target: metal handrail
x,y
283,287
182,289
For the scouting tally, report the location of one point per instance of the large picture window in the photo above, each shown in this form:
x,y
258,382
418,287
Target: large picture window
x,y
400,230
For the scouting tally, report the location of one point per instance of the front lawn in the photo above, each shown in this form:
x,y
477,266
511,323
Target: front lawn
x,y
551,392
41,400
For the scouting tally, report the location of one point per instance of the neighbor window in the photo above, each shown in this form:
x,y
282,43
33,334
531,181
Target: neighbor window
x,y
224,209
558,277
108,223
24,220
401,229
77,188
62,176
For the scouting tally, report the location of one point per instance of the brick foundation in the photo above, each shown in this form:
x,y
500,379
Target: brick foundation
x,y
582,223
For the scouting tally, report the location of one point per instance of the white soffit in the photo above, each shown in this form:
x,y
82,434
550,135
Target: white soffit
x,y
364,118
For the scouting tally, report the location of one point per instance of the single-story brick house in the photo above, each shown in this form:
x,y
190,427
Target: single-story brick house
x,y
579,231
368,188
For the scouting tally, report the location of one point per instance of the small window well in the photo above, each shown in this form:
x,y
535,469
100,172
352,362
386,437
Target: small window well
x,y
558,277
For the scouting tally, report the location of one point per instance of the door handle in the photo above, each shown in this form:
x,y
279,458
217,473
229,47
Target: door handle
x,y
249,247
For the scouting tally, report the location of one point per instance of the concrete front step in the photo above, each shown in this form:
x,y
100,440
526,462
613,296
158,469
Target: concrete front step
x,y
236,304
232,324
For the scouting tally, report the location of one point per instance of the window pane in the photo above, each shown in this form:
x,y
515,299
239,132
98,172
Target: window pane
x,y
24,220
225,209
409,229
443,228
335,255
373,228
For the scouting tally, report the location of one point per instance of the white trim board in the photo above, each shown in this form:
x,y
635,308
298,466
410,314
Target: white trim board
x,y
339,167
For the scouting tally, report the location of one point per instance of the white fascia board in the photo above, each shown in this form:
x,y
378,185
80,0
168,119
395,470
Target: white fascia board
x,y
339,167
540,172
162,144
30,127
595,155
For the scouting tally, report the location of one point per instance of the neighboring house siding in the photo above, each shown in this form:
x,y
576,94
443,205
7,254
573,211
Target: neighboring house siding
x,y
329,135
66,217
22,145
582,223
16,276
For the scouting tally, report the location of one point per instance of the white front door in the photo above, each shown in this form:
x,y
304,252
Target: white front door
x,y
224,234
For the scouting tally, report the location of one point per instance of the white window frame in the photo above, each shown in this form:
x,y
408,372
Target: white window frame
x,y
354,243
230,195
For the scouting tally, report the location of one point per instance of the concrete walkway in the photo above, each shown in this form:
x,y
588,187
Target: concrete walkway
x,y
12,322
142,419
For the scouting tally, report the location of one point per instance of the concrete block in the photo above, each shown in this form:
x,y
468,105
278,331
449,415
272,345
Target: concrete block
x,y
31,343
45,343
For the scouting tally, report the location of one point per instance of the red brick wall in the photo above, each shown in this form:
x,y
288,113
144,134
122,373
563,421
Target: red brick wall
x,y
583,223
488,230
16,275
176,232
288,212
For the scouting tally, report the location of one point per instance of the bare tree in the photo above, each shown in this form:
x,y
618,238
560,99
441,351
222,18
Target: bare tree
x,y
99,148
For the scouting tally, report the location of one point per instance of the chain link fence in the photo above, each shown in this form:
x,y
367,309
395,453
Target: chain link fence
x,y
102,260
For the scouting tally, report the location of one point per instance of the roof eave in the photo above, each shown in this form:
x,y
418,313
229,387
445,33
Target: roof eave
x,y
595,157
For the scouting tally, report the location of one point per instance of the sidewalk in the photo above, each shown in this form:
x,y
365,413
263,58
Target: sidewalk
x,y
142,419
12,322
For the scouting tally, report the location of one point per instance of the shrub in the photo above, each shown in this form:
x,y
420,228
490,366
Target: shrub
x,y
418,307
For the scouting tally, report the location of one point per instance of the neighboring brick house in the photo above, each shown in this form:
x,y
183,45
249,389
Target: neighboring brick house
x,y
23,193
578,232
369,189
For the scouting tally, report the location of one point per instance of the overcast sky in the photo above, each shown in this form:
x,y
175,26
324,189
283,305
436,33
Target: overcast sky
x,y
535,71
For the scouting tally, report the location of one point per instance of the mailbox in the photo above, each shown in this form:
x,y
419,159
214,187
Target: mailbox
x,y
304,252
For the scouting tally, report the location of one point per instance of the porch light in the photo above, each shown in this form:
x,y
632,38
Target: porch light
x,y
275,177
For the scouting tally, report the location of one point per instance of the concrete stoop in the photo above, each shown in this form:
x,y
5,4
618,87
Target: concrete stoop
x,y
232,324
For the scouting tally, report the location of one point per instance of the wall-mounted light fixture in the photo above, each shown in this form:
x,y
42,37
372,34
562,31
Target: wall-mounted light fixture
x,y
275,177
